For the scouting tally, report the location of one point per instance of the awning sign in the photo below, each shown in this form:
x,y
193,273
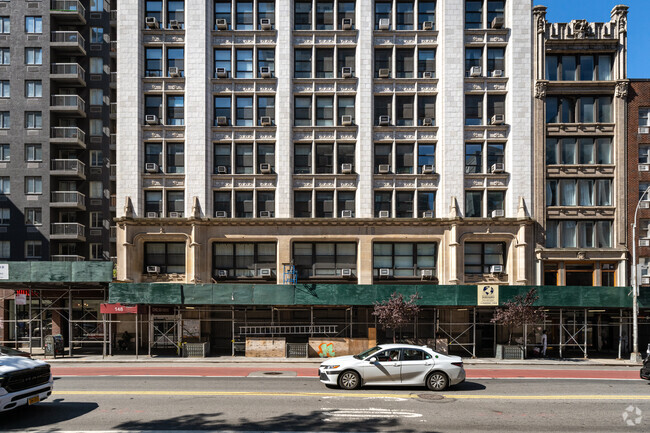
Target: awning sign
x,y
21,299
118,309
4,271
488,295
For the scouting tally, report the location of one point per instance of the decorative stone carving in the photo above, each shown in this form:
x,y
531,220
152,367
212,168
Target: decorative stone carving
x,y
247,87
175,134
298,88
346,135
581,29
222,88
540,89
581,255
245,40
244,135
622,89
324,135
245,183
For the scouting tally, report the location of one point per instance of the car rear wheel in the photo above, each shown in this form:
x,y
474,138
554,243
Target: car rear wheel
x,y
349,380
437,381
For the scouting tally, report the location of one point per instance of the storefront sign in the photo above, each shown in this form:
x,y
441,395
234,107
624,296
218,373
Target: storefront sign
x,y
4,271
21,299
26,292
118,309
488,295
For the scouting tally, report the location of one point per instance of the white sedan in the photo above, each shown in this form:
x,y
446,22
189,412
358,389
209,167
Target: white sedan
x,y
393,364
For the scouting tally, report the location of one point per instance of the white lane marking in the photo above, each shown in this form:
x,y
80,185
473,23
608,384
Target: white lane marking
x,y
369,413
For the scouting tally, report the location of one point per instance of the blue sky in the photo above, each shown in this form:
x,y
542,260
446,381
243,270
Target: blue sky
x,y
638,39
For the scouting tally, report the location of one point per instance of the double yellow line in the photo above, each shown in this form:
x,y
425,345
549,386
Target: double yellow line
x,y
350,395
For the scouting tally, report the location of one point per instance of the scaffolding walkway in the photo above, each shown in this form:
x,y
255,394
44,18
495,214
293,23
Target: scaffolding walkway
x,y
272,330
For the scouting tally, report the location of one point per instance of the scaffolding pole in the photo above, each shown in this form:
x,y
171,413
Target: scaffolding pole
x,y
69,322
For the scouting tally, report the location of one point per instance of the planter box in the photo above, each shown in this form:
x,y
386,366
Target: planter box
x,y
509,352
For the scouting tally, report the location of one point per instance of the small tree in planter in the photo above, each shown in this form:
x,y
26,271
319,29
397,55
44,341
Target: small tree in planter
x,y
395,313
519,311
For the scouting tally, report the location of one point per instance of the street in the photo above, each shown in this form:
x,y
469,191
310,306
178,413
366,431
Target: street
x,y
275,400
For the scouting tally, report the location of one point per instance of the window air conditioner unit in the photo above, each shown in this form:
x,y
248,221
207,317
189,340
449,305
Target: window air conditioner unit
x,y
221,214
264,272
644,129
384,214
497,168
222,73
222,121
175,25
427,25
385,272
644,167
475,71
384,73
346,272
498,119
346,72
265,168
222,24
153,269
222,273
497,22
346,168
151,119
428,74
346,214
265,24
427,121
346,120
384,24
645,281
496,269
174,72
498,213
151,22
175,215
265,214
384,120
152,214
427,214
384,168
428,169
151,167
644,242
222,169
644,205
265,72
346,24
426,273
265,120
497,73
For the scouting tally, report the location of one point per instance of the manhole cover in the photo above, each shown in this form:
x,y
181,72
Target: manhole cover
x,y
272,373
431,396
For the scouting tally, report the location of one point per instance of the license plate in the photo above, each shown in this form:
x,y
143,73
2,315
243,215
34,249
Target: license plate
x,y
33,400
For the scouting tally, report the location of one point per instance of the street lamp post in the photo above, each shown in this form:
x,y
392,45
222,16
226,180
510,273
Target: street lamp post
x,y
635,356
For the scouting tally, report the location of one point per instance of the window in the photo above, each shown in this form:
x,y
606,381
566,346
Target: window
x,y
479,257
266,59
496,106
495,154
473,204
33,185
644,154
97,65
302,15
404,63
96,97
153,62
222,159
324,204
578,234
579,67
346,108
243,158
5,120
153,8
383,203
345,10
175,202
222,203
426,156
495,8
426,203
244,63
5,185
265,10
427,12
96,35
473,109
243,204
222,11
5,216
266,203
404,110
383,156
4,56
153,154
473,58
324,158
96,251
95,189
302,204
265,108
426,62
152,203
383,11
579,192
473,158
383,61
582,151
495,201
405,15
302,65
5,25
324,15
345,60
33,249
302,159
324,63
383,107
175,59
169,256
222,61
33,120
5,250
152,105
345,202
175,110
243,260
644,116
33,216
496,60
244,109
222,109
33,56
324,259
404,205
97,5
473,14
96,127
302,111
95,219
244,15
175,158
324,110
405,260
5,89
5,154
175,11
404,158
33,152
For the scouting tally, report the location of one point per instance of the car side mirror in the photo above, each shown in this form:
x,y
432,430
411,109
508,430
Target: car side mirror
x,y
372,360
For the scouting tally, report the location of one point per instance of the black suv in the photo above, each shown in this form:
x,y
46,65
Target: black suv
x,y
645,370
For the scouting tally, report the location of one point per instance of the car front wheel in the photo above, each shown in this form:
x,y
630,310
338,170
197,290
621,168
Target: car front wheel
x,y
349,380
437,381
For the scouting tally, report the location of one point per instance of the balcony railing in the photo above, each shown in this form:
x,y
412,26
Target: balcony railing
x,y
68,167
113,79
68,230
114,17
68,198
68,72
113,202
63,6
68,102
113,170
113,48
67,258
113,233
113,110
68,134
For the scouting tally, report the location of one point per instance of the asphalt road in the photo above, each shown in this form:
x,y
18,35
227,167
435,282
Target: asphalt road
x,y
291,403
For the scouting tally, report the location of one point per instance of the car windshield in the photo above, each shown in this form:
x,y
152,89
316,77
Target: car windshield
x,y
367,353
9,351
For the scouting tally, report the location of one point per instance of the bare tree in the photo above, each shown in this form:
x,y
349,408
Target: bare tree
x,y
519,311
395,313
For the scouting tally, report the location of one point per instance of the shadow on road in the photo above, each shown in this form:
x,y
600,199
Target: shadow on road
x,y
44,414
468,386
313,421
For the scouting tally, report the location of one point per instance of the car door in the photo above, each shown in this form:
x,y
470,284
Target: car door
x,y
386,370
416,364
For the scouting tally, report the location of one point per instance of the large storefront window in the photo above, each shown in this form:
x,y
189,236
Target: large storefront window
x,y
404,260
243,260
325,259
168,256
